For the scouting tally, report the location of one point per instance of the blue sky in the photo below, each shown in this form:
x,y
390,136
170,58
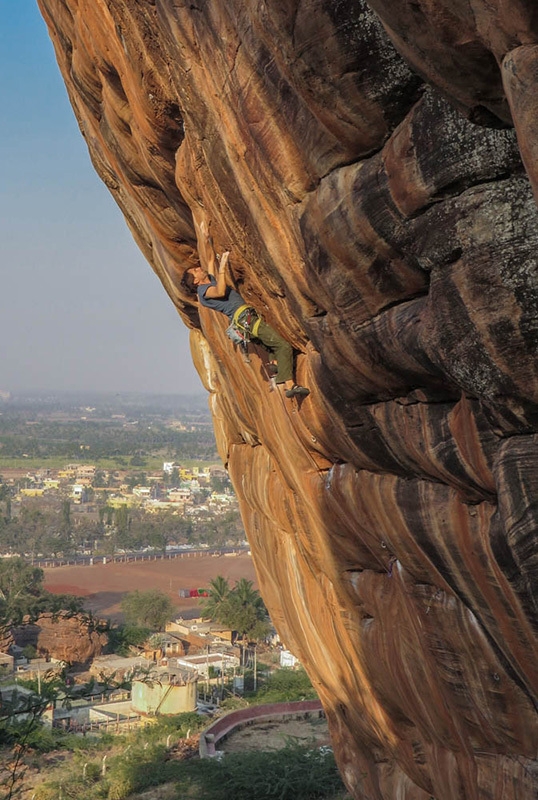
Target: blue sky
x,y
80,308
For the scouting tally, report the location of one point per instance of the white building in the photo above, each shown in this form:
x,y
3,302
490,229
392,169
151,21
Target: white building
x,y
287,659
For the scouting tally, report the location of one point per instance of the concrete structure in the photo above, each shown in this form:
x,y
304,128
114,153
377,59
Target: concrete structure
x,y
78,492
18,699
142,491
38,668
200,633
85,472
168,690
236,720
121,668
91,714
7,663
68,473
221,662
171,644
179,495
287,659
188,626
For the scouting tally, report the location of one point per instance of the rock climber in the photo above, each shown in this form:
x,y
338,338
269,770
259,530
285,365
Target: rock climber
x,y
213,292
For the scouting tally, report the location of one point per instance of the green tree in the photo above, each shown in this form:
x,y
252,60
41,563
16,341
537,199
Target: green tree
x,y
156,530
215,606
247,595
99,479
106,515
86,532
121,519
22,593
136,479
66,515
29,651
246,611
63,535
20,586
285,685
121,638
241,608
28,532
219,484
151,609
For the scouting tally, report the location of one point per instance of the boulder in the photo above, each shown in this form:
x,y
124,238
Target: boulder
x,y
371,166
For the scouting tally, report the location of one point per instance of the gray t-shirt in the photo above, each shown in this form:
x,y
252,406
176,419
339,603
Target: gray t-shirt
x,y
228,304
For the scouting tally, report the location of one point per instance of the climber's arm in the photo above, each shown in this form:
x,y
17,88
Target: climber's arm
x,y
219,289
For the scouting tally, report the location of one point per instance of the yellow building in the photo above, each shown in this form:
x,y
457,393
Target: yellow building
x,y
124,500
67,474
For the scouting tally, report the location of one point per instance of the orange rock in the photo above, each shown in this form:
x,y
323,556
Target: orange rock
x,y
380,217
63,636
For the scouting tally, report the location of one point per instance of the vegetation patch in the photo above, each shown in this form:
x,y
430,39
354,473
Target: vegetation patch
x,y
293,773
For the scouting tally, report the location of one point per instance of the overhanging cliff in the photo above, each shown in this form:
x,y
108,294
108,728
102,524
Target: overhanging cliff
x,y
373,177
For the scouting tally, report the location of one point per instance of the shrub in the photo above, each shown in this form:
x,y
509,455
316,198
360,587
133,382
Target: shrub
x,y
141,768
294,773
46,792
122,637
150,609
120,787
93,772
234,703
177,725
42,739
285,685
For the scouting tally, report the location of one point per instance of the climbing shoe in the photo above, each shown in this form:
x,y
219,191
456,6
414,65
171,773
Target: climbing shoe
x,y
297,391
272,370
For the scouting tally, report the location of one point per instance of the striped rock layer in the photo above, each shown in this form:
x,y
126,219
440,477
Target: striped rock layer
x,y
373,169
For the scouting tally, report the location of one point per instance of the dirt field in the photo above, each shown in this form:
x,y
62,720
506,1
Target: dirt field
x,y
103,585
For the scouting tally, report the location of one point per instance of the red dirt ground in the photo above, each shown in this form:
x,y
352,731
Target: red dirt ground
x,y
103,585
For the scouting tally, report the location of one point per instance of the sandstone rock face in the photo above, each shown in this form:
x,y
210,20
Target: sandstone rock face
x,y
372,168
67,637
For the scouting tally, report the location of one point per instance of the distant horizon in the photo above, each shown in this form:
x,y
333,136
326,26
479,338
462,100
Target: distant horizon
x,y
99,399
100,392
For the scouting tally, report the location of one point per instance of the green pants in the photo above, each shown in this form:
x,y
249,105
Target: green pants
x,y
280,348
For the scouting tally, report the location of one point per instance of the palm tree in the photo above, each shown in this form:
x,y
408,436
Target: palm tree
x,y
241,608
214,607
249,600
246,611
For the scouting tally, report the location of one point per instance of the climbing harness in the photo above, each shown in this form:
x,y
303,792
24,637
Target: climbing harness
x,y
246,321
244,327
